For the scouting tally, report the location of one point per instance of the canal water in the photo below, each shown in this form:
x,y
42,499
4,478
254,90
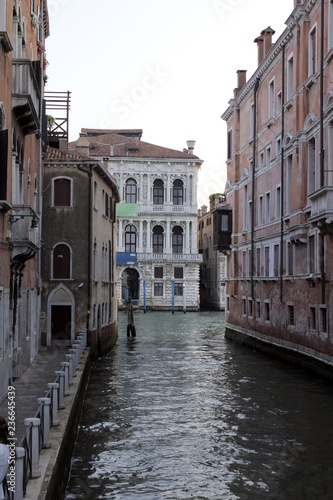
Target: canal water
x,y
179,412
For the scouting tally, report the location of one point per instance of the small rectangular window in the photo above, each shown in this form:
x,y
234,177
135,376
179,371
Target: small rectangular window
x,y
267,311
229,145
267,259
158,289
290,77
290,259
271,98
312,51
250,303
178,289
267,208
278,203
323,319
258,261
312,318
291,315
312,254
178,273
158,272
258,309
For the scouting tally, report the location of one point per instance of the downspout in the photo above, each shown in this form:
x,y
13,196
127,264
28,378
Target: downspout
x,y
90,246
322,151
282,175
253,180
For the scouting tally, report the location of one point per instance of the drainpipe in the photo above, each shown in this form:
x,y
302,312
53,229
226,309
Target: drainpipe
x,y
322,151
253,180
90,245
282,175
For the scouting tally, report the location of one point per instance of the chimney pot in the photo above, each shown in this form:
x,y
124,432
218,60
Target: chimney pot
x,y
241,78
190,146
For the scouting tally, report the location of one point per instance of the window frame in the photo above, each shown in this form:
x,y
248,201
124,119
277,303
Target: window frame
x,y
131,190
55,182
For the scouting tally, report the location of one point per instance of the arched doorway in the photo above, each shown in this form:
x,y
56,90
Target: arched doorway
x,y
60,316
130,284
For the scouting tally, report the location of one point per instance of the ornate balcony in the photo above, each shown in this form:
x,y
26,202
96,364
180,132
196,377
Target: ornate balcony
x,y
26,95
24,232
322,209
170,257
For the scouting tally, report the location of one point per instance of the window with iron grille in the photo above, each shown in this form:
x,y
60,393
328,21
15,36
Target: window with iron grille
x,y
291,315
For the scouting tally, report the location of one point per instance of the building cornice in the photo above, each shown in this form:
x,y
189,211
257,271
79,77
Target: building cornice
x,y
293,20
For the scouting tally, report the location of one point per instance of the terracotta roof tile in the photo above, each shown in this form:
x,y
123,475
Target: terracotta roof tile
x,y
114,144
52,154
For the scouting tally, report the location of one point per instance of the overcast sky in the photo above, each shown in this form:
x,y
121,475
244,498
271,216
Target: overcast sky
x,y
167,67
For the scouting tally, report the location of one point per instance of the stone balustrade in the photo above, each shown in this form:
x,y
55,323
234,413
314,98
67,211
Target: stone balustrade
x,y
38,428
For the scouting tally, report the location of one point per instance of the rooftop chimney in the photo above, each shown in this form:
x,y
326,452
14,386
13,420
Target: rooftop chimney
x,y
190,146
82,145
264,42
241,80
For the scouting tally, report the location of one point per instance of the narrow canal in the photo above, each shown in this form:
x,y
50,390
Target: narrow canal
x,y
181,413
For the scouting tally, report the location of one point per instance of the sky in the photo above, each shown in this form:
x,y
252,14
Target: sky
x,y
167,67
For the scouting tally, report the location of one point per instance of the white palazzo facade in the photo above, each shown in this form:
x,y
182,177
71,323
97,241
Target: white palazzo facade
x,y
157,255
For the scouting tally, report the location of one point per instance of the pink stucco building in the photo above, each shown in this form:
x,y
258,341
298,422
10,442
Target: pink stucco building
x,y
280,188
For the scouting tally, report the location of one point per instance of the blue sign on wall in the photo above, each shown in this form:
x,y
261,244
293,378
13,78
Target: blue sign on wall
x,y
125,258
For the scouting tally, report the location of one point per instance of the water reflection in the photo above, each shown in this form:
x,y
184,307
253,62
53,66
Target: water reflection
x,y
180,413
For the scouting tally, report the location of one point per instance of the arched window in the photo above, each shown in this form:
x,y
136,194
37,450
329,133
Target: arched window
x,y
178,192
131,191
61,262
62,192
177,240
158,239
158,192
130,239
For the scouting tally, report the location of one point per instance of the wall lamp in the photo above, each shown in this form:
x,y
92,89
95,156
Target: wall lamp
x,y
14,218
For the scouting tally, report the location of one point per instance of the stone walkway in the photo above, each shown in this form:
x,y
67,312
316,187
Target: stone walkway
x,y
33,384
